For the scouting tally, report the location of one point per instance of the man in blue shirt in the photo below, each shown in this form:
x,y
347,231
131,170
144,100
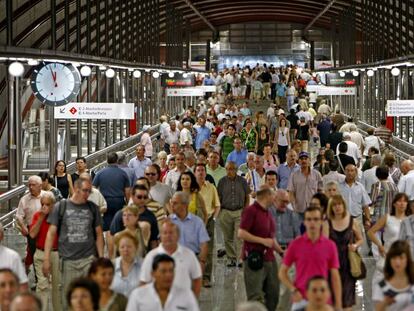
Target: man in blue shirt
x,y
286,169
114,184
140,162
193,233
203,133
238,155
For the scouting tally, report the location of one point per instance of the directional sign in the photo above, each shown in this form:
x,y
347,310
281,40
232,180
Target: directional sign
x,y
188,91
123,111
400,108
323,90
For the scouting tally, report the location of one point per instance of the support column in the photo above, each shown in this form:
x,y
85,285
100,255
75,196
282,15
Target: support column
x,y
11,143
312,55
208,53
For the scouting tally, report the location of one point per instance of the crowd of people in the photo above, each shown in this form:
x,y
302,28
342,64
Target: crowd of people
x,y
294,195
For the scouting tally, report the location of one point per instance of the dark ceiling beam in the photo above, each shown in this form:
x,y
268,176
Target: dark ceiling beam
x,y
321,13
203,18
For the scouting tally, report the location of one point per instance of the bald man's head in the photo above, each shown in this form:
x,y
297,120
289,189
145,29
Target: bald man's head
x,y
406,166
282,199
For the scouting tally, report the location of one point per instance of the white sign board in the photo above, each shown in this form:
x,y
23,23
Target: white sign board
x,y
323,90
207,88
123,111
188,91
400,108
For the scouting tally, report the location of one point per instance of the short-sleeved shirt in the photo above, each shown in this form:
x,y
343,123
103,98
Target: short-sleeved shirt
x,y
187,266
126,284
139,166
311,259
193,232
77,229
355,196
283,174
203,133
41,236
10,259
238,157
210,196
304,188
258,221
404,298
161,193
217,174
287,225
148,216
28,205
111,182
226,145
232,192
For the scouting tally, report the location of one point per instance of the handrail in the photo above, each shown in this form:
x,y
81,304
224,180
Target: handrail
x,y
12,193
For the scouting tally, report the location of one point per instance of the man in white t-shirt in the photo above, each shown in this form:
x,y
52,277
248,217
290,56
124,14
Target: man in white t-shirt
x,y
188,272
10,259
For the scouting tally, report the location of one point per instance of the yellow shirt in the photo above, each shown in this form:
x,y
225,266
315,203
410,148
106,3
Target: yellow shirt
x,y
210,196
192,207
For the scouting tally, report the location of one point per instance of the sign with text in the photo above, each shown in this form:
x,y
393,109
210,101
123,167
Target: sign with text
x,y
187,91
400,108
207,88
334,79
323,90
177,81
121,111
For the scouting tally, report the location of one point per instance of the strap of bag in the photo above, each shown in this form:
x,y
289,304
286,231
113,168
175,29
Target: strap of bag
x,y
62,210
340,163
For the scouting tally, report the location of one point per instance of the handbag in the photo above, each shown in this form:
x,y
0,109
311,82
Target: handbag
x,y
358,268
255,260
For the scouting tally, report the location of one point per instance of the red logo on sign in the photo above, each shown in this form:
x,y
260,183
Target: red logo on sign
x,y
73,110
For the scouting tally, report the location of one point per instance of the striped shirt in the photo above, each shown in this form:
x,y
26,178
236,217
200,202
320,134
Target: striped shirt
x,y
384,133
382,194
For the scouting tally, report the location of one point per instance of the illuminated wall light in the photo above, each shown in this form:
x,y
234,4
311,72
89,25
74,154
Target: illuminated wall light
x,y
33,62
155,74
16,69
137,74
185,75
85,71
342,74
370,73
171,74
355,73
110,73
395,71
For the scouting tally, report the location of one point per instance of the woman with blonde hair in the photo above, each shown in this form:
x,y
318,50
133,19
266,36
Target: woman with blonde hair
x,y
141,230
345,232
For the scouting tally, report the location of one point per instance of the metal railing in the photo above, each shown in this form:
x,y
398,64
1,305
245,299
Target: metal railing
x,y
96,161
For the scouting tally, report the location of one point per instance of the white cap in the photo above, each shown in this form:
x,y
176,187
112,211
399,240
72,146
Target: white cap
x,y
281,111
146,127
187,123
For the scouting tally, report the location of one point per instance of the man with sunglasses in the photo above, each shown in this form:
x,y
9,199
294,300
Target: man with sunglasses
x,y
159,192
312,254
139,198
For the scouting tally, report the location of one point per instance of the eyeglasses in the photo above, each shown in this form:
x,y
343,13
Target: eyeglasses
x,y
150,174
141,197
313,219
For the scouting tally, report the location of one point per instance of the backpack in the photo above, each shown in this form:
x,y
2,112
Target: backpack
x,y
62,210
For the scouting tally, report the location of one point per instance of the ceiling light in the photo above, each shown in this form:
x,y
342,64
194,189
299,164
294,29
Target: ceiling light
x,y
395,71
33,62
137,74
85,71
16,69
110,73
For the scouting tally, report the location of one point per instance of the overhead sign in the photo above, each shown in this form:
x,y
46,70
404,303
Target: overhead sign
x,y
334,79
178,80
207,88
122,111
323,90
187,91
400,108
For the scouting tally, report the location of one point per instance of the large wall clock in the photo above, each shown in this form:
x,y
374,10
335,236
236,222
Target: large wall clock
x,y
56,84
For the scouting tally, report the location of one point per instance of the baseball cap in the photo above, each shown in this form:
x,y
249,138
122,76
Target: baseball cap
x,y
303,154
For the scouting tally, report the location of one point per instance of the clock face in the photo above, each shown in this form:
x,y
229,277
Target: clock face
x,y
56,84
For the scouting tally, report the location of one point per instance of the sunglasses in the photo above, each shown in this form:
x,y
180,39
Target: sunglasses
x,y
141,197
150,174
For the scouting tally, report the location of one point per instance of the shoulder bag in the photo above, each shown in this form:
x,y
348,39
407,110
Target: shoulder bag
x,y
357,265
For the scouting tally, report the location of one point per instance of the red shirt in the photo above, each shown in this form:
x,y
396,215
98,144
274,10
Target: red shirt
x,y
311,259
258,221
41,236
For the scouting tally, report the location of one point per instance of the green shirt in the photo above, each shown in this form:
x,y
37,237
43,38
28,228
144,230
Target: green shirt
x,y
226,146
217,174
